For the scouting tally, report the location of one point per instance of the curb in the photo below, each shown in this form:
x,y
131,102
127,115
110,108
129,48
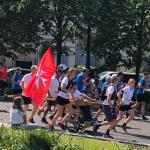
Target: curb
x,y
105,139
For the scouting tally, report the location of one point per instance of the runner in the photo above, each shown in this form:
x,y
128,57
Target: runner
x,y
108,106
125,97
141,95
53,92
76,95
27,100
102,95
62,101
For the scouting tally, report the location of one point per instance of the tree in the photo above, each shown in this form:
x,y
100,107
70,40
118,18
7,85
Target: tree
x,y
108,42
18,27
137,31
86,20
57,21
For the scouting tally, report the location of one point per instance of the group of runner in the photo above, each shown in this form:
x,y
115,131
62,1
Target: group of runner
x,y
115,98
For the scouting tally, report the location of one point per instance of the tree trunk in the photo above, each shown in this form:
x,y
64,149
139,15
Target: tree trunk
x,y
139,56
59,51
88,48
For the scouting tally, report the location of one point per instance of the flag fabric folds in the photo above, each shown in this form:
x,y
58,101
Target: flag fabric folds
x,y
39,85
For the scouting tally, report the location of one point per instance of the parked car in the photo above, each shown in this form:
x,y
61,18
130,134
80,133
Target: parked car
x,y
11,72
127,76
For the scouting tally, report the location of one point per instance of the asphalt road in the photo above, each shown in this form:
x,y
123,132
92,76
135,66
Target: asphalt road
x,y
138,130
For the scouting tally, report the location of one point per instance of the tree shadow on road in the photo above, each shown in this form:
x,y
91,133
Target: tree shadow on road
x,y
4,111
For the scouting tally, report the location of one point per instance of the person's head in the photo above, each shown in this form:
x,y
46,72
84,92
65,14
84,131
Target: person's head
x,y
33,69
146,75
58,73
108,79
131,83
17,102
114,79
71,73
18,70
85,72
120,75
60,67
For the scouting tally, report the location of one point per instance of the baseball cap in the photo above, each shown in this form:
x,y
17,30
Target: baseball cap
x,y
108,78
34,67
113,77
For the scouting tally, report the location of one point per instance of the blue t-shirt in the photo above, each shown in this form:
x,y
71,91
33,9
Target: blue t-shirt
x,y
79,80
142,82
16,77
104,85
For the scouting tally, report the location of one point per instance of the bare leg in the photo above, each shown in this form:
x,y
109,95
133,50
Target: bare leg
x,y
143,108
34,111
119,118
58,114
69,114
131,116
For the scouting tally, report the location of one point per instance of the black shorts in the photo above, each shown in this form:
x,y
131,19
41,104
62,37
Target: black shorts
x,y
17,91
140,97
27,100
125,108
50,103
62,101
3,84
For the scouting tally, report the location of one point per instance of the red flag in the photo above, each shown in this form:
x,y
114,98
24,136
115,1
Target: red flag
x,y
38,87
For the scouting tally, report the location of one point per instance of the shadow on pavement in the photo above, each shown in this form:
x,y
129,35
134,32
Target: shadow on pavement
x,y
4,111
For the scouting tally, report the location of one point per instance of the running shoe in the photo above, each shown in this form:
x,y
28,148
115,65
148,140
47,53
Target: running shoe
x,y
124,127
114,129
43,120
145,118
107,135
51,117
31,120
62,126
51,128
95,127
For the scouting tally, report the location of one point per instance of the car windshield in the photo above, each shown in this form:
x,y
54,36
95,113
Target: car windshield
x,y
103,75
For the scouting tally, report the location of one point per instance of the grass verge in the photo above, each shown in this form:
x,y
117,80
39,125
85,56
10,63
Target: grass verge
x,y
43,140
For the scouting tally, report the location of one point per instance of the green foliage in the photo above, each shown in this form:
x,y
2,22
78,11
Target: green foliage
x,y
43,140
18,27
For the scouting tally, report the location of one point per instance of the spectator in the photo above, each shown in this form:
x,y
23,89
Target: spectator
x,y
17,114
81,79
3,83
16,89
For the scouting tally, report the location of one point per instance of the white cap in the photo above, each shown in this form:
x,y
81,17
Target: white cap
x,y
108,78
34,67
113,77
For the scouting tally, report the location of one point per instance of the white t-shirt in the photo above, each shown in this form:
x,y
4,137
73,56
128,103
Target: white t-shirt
x,y
54,85
61,93
77,95
16,116
26,79
127,95
110,90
